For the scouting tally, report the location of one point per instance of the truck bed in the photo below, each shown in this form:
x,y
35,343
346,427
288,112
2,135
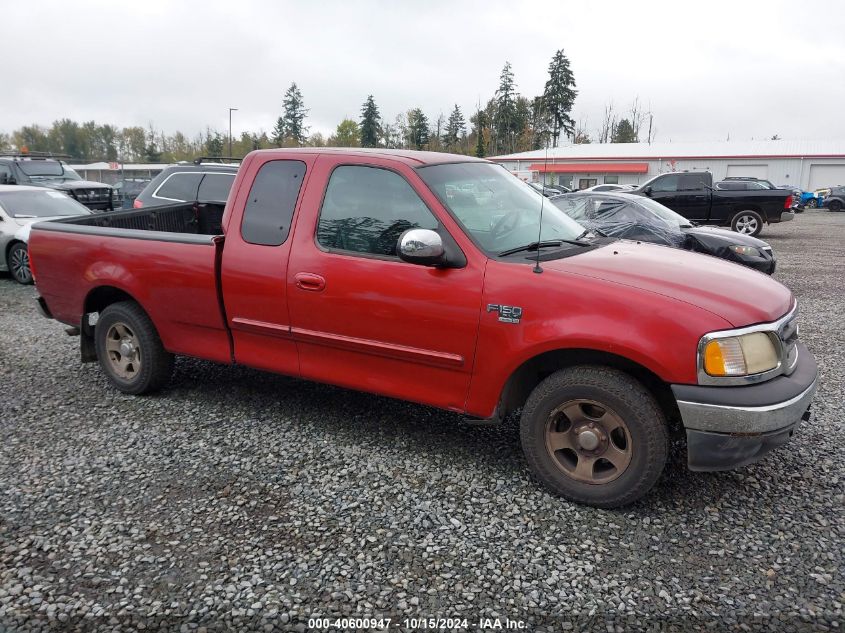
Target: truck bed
x,y
201,219
165,258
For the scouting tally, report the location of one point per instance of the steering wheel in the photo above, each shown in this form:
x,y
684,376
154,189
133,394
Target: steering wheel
x,y
505,224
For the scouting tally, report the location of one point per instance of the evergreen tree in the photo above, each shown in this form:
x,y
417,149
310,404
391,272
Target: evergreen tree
x,y
370,123
559,95
504,123
455,129
624,133
417,129
290,127
214,145
479,134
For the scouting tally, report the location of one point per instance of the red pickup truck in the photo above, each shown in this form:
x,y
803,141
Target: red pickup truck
x,y
443,280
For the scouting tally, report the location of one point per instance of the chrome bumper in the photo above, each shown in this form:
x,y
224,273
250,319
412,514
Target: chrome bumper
x,y
786,216
717,418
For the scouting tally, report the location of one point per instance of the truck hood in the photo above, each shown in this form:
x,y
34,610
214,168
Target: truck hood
x,y
736,293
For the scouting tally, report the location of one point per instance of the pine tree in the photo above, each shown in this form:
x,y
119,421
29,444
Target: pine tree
x,y
455,128
479,134
505,120
370,123
559,95
624,133
417,129
290,126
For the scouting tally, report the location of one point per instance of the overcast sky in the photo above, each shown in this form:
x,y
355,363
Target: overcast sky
x,y
706,69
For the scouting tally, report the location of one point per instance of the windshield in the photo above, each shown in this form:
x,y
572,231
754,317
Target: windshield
x,y
70,174
496,208
39,204
48,168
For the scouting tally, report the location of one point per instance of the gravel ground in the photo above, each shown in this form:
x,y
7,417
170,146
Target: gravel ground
x,y
237,500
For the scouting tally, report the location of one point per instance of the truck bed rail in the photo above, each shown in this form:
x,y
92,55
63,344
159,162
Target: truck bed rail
x,y
190,222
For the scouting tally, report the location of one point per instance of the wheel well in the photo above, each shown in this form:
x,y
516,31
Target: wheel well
x,y
9,248
533,371
750,207
100,298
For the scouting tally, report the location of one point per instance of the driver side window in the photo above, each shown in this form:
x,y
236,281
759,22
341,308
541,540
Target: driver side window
x,y
366,209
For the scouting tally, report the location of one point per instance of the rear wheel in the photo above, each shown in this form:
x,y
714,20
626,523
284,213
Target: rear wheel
x,y
812,203
835,205
129,349
18,263
594,435
747,222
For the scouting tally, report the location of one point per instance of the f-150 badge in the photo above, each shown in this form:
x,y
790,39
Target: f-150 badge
x,y
507,314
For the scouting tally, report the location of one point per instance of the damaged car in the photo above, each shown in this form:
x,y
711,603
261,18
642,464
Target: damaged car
x,y
642,219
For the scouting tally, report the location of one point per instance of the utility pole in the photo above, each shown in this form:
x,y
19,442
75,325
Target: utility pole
x,y
230,128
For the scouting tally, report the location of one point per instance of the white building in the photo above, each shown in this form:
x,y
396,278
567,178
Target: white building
x,y
805,164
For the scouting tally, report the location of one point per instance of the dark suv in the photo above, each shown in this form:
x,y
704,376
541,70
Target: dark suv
x,y
188,182
835,201
47,171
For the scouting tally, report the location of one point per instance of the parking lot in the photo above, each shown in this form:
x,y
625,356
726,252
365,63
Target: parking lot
x,y
245,501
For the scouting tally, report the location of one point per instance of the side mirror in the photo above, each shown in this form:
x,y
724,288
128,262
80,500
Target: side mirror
x,y
647,190
421,246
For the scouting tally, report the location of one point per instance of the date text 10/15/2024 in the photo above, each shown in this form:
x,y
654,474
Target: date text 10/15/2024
x,y
421,623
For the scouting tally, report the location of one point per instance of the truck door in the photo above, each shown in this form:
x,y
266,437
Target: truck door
x,y
684,194
255,259
364,319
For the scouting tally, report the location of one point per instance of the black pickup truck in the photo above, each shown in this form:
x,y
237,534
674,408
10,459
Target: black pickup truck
x,y
693,196
47,171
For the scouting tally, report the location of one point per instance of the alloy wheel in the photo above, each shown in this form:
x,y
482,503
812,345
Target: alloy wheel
x,y
124,351
588,441
746,224
19,264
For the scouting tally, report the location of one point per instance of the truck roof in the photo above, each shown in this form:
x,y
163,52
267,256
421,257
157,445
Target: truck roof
x,y
410,157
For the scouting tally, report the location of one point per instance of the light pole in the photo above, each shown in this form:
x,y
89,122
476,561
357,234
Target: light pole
x,y
230,129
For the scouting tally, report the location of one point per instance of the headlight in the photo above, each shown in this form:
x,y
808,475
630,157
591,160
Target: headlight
x,y
744,250
740,355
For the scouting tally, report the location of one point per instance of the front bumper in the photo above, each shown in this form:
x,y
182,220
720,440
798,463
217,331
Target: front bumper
x,y
728,427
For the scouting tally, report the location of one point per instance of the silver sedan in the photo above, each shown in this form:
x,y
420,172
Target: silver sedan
x,y
20,208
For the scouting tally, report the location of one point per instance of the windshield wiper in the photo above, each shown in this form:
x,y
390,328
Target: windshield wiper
x,y
533,246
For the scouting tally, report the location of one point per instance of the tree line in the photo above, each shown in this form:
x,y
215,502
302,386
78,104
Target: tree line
x,y
506,123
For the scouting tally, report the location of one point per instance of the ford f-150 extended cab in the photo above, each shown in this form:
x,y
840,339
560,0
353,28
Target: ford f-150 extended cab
x,y
693,196
443,280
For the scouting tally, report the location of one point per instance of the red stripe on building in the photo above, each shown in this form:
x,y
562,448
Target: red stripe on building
x,y
590,168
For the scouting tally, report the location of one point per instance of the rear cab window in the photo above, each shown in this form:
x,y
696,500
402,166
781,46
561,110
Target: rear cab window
x,y
269,210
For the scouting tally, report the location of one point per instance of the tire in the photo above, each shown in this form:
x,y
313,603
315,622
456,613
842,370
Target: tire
x,y
17,260
129,349
747,222
584,402
835,205
812,203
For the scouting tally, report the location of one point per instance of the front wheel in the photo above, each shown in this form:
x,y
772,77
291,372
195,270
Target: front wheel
x,y
835,205
748,223
129,349
812,203
594,435
18,262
